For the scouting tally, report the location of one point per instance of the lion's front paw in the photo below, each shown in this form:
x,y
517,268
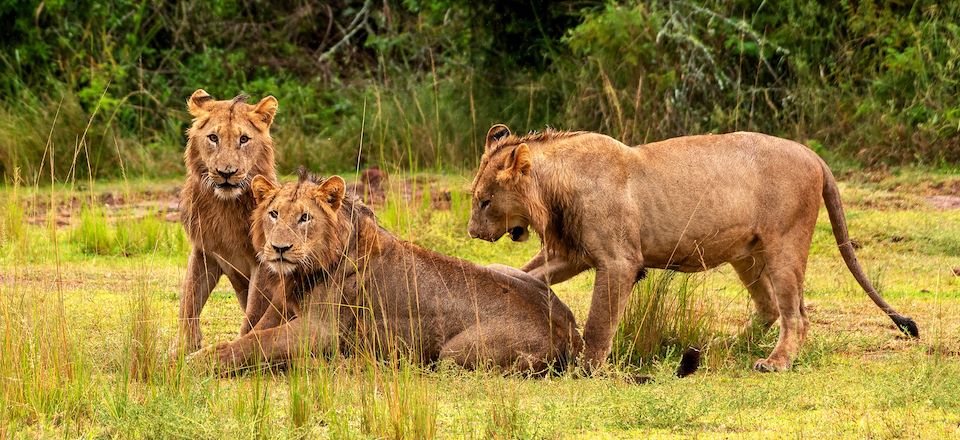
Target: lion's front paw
x,y
221,357
770,365
228,357
201,359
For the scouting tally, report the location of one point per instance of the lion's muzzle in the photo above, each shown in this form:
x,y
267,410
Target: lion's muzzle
x,y
227,183
278,259
476,231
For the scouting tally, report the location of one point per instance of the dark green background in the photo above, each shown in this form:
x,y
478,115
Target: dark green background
x,y
863,83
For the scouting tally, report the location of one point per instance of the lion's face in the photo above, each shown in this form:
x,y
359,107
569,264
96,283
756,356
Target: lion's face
x,y
297,226
227,139
500,189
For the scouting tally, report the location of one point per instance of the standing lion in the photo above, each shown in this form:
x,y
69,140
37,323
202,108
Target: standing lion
x,y
686,204
228,143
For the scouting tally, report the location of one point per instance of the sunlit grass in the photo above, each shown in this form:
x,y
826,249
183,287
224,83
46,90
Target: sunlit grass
x,y
85,338
667,313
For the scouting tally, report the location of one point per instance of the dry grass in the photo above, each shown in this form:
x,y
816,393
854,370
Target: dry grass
x,y
83,339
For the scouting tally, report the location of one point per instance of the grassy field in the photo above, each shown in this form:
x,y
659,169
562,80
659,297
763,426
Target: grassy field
x,y
89,294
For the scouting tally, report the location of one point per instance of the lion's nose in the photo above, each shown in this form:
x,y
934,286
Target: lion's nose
x,y
226,174
281,248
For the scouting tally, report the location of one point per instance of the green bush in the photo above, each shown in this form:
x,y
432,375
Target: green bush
x,y
420,81
666,314
149,235
879,83
96,235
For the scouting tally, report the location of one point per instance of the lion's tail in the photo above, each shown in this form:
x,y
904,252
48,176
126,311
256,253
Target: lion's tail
x,y
831,197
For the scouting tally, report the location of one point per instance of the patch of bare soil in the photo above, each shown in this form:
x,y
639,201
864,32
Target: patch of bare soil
x,y
373,187
944,202
117,204
950,188
939,325
943,195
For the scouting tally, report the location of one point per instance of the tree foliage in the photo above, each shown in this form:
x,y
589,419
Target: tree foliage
x,y
875,82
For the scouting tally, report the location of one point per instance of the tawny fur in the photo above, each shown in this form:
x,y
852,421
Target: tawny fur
x,y
352,284
215,211
686,204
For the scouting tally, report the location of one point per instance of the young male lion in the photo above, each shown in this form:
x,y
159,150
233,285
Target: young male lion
x,y
686,204
351,283
228,143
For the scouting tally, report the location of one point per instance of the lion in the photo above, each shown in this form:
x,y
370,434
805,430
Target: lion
x,y
352,284
228,143
686,204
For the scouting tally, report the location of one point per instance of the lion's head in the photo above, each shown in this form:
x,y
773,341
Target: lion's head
x,y
229,141
297,226
501,188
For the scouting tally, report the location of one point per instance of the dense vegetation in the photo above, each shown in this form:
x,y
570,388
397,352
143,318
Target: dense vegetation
x,y
420,81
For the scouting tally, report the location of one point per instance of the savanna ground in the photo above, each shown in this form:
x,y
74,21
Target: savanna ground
x,y
91,98
90,294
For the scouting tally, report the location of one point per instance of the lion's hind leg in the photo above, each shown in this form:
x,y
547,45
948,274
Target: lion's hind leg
x,y
784,272
766,312
502,347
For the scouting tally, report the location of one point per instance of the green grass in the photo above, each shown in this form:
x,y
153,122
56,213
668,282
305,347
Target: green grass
x,y
666,313
84,338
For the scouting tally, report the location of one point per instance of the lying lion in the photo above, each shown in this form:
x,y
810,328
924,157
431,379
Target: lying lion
x,y
687,204
228,143
351,283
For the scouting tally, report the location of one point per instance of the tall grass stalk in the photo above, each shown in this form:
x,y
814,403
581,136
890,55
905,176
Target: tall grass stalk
x,y
44,374
143,337
506,419
311,391
94,235
666,313
396,402
252,406
11,224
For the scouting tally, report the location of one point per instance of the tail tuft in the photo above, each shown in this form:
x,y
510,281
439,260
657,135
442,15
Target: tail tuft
x,y
690,361
906,325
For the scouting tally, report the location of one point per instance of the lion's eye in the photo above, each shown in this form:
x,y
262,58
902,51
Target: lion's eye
x,y
484,203
213,138
304,218
244,139
273,215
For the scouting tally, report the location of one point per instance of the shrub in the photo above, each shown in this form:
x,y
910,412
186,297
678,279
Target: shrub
x,y
94,234
97,235
149,234
666,314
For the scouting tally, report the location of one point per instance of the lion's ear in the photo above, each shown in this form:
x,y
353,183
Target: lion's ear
x,y
517,165
265,110
198,101
497,132
263,188
331,192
